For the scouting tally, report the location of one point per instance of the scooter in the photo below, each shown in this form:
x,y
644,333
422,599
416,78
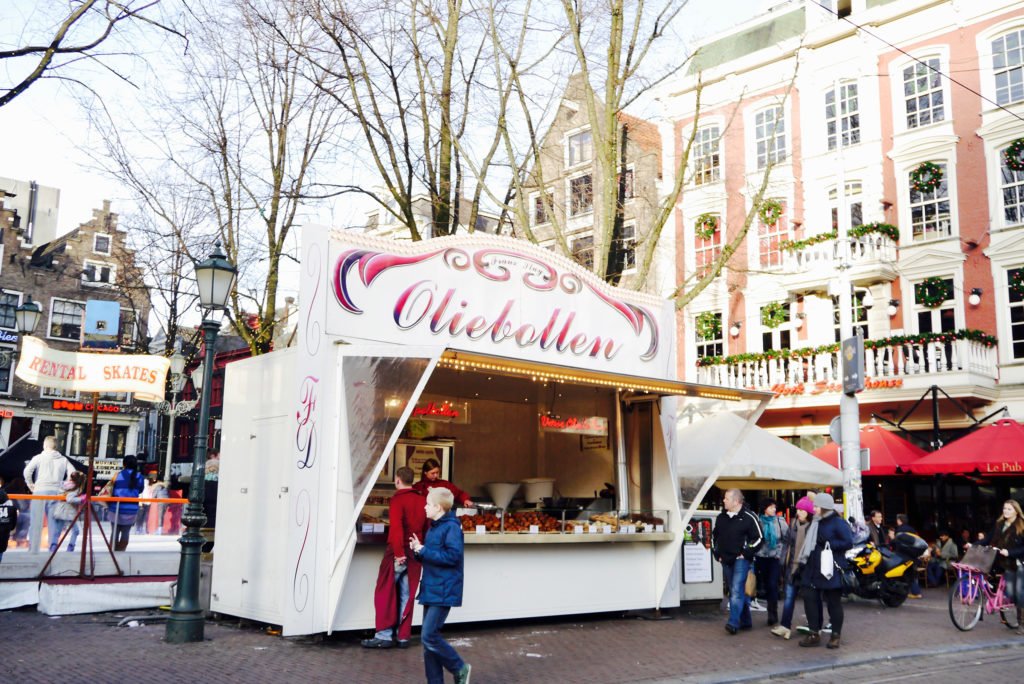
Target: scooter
x,y
883,574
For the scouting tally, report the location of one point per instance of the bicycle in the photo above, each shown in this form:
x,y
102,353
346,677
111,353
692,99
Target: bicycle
x,y
965,604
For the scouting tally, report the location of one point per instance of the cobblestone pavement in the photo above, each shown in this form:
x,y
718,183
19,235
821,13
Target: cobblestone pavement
x,y
877,643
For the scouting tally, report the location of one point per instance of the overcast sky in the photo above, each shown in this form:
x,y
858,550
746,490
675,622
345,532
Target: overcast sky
x,y
44,128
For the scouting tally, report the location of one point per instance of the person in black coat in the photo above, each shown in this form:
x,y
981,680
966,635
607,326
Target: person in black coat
x,y
903,525
819,586
734,541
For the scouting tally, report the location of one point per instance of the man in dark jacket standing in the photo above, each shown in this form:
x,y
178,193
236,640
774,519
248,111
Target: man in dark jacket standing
x,y
399,574
824,584
876,530
734,541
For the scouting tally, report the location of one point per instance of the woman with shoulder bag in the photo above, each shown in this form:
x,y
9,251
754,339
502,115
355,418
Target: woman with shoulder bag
x,y
768,560
1008,539
822,579
791,546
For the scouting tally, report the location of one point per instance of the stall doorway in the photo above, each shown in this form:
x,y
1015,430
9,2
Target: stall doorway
x,y
638,431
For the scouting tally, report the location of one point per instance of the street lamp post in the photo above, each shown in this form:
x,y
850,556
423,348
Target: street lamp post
x,y
215,278
174,408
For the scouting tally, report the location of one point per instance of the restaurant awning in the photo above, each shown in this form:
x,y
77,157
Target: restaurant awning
x,y
996,449
890,453
761,461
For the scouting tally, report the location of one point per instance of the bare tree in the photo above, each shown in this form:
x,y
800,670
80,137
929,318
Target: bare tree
x,y
233,153
85,31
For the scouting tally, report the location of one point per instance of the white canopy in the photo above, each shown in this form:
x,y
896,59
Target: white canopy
x,y
761,461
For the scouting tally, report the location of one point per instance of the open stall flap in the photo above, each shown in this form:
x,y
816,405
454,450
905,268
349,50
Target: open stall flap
x,y
380,388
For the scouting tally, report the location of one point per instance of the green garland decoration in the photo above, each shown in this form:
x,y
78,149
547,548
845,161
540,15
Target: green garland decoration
x,y
1013,156
709,326
773,314
705,226
770,211
888,230
1017,282
926,177
978,336
931,292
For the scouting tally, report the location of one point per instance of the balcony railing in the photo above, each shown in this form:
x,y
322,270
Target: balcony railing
x,y
867,249
887,363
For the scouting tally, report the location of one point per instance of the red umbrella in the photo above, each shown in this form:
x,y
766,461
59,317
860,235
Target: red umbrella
x,y
995,449
890,454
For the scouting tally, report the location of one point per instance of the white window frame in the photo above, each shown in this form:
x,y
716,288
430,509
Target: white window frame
x,y
631,193
712,246
1019,31
98,265
987,70
899,109
786,134
698,341
568,195
629,225
717,153
776,333
21,296
49,319
569,163
127,398
1010,306
531,208
1000,191
833,141
949,178
110,243
952,303
854,195
45,394
783,230
572,249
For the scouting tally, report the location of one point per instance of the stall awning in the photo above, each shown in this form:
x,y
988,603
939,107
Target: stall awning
x,y
761,461
996,449
461,360
890,453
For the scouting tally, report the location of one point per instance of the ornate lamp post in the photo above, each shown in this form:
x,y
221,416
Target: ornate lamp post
x,y
174,408
215,278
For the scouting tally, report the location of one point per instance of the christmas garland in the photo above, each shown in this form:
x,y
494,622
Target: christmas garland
x,y
1017,282
773,314
797,245
926,177
705,226
769,212
932,292
806,352
888,230
1013,155
709,326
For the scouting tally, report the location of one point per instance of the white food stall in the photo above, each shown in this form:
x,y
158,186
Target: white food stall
x,y
506,362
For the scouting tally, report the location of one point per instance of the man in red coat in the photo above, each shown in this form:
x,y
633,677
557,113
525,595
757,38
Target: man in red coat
x,y
399,575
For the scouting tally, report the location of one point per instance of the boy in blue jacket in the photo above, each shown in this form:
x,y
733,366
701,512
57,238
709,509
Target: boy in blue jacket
x,y
441,555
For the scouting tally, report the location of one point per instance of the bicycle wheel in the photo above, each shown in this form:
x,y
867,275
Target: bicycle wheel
x,y
965,599
1008,616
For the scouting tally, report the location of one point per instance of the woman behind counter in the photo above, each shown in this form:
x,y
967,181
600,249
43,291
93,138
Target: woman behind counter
x,y
431,477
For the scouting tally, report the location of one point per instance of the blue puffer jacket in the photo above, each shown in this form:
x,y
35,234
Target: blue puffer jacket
x,y
441,556
836,531
129,484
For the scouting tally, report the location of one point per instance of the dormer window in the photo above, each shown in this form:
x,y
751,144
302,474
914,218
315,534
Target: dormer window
x,y
101,244
96,273
581,148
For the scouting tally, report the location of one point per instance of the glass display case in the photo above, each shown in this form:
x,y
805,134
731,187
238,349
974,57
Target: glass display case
x,y
562,521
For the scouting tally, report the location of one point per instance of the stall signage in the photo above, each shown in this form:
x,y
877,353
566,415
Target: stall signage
x,y
142,374
105,468
822,387
577,425
494,296
1004,467
443,411
65,405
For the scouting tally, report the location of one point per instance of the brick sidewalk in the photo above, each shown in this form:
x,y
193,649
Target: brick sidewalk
x,y
587,650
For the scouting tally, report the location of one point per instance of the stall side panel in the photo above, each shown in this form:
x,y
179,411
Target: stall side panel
x,y
251,515
665,496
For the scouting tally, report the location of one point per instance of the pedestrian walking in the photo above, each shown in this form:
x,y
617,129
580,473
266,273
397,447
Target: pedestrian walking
x,y
794,541
8,521
1007,538
903,525
768,560
399,574
45,475
734,542
441,554
128,483
822,582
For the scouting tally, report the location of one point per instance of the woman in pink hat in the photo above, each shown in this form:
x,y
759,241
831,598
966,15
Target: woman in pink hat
x,y
790,556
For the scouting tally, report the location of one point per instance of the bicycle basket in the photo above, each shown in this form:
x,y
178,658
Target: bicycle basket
x,y
979,558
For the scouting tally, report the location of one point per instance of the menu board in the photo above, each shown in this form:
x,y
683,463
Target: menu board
x,y
697,552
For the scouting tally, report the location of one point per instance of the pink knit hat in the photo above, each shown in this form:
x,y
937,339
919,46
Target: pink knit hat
x,y
805,504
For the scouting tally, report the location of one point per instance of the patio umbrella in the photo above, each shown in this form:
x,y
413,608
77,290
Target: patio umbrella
x,y
890,453
996,449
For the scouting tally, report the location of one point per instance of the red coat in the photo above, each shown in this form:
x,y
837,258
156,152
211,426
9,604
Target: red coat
x,y
461,497
406,517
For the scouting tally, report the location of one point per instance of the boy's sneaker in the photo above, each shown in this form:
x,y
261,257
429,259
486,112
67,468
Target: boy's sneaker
x,y
462,676
756,607
803,629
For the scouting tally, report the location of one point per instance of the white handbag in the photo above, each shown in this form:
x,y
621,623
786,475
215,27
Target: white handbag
x,y
828,564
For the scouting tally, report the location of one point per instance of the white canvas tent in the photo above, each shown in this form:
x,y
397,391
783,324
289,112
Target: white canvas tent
x,y
761,461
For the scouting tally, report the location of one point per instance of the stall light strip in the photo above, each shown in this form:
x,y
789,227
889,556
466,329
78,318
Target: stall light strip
x,y
542,376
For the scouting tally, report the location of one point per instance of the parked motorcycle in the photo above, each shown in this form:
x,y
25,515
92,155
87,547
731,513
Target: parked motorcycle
x,y
883,574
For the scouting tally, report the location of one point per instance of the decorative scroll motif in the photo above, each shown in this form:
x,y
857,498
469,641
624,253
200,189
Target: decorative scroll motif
x,y
300,579
306,431
635,316
314,265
